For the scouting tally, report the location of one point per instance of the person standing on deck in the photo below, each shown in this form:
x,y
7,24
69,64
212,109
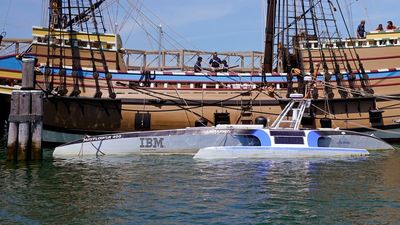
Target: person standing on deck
x,y
197,66
379,28
361,29
225,66
390,25
215,62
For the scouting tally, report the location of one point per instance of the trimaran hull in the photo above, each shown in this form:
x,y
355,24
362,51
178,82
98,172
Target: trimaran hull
x,y
251,141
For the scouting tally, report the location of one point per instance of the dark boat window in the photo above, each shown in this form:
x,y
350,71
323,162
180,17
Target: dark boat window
x,y
289,140
243,140
324,142
249,140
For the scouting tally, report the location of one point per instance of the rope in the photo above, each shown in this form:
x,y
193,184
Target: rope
x,y
153,25
375,129
347,119
383,97
171,28
358,124
201,104
176,103
184,100
22,48
174,97
6,15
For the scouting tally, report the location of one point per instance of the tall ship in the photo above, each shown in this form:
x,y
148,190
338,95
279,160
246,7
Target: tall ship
x,y
94,85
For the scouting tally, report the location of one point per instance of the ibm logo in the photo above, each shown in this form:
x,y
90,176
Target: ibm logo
x,y
152,143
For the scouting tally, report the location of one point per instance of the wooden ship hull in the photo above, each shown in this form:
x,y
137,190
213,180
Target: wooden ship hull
x,y
185,100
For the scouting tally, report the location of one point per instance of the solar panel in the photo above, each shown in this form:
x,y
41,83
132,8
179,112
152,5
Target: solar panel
x,y
289,140
287,133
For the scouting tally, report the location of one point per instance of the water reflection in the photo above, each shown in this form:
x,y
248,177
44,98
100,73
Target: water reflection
x,y
180,190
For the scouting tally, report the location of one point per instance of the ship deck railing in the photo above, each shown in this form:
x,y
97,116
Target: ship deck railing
x,y
178,60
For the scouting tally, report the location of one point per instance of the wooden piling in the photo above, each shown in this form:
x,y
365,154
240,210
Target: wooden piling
x,y
13,127
37,124
28,74
25,120
24,125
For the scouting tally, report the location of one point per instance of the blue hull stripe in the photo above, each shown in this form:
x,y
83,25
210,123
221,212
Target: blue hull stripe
x,y
11,63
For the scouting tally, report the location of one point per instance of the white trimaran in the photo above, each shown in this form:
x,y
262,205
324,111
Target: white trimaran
x,y
234,141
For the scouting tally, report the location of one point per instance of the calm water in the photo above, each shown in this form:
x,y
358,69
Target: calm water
x,y
180,190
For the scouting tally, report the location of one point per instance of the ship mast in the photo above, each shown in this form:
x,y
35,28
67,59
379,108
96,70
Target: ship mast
x,y
66,19
269,39
300,33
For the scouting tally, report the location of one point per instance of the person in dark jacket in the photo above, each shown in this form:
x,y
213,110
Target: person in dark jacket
x,y
215,62
361,29
197,66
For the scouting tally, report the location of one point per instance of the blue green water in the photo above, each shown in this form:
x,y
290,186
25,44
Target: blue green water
x,y
181,190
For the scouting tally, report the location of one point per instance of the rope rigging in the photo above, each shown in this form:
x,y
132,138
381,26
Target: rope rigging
x,y
130,7
362,74
170,28
344,60
311,29
338,57
74,15
328,94
338,74
6,13
75,63
108,75
317,15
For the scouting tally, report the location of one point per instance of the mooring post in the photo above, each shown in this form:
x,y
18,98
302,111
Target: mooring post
x,y
13,127
25,120
37,124
24,128
28,74
24,125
